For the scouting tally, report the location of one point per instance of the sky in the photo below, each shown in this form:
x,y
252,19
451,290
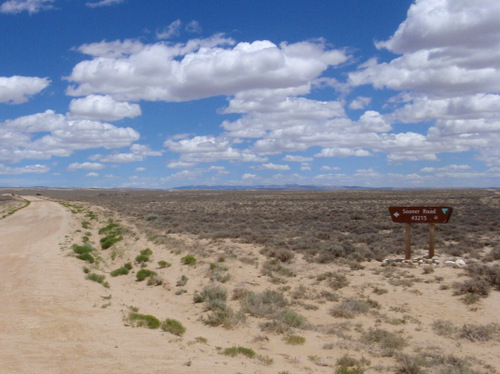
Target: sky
x,y
169,93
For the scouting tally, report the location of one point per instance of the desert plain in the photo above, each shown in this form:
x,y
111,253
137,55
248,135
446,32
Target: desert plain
x,y
133,281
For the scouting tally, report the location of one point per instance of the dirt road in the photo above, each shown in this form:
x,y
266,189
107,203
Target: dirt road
x,y
51,320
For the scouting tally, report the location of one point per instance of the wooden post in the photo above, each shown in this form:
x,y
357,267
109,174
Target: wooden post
x,y
431,240
407,241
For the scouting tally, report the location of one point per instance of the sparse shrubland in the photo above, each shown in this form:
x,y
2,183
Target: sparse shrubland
x,y
308,255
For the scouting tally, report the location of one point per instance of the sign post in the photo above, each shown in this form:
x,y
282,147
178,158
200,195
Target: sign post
x,y
420,214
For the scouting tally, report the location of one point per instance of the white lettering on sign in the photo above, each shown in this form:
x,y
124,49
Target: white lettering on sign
x,y
429,211
419,218
411,211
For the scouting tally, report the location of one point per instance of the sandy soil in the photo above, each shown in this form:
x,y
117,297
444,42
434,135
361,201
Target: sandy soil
x,y
53,320
49,322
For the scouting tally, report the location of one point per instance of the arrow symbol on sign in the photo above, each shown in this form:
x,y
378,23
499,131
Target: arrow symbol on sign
x,y
444,210
396,214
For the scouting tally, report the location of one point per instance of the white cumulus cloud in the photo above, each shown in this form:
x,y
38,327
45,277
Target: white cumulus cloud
x,y
29,169
48,134
98,107
448,48
85,166
138,152
17,89
199,69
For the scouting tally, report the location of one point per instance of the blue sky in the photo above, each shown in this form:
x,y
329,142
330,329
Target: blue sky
x,y
160,94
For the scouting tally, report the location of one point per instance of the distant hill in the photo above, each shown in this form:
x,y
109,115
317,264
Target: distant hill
x,y
285,187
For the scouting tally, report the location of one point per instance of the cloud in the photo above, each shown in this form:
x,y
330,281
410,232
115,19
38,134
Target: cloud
x,y
193,27
44,135
330,168
199,69
92,175
444,23
97,107
29,169
138,152
360,102
103,3
180,165
210,149
342,152
170,31
425,108
449,71
30,6
282,123
17,89
449,48
85,166
248,176
112,50
271,166
297,158
453,167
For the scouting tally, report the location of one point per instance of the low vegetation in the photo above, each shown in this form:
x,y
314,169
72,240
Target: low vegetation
x,y
309,254
143,320
144,274
112,234
189,260
173,326
234,351
99,278
84,252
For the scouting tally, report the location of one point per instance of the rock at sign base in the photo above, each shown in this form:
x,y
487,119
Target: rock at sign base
x,y
449,263
460,263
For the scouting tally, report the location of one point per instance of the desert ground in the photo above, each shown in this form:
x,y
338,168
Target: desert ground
x,y
100,281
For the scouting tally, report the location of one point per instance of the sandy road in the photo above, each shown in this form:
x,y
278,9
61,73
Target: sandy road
x,y
39,289
51,318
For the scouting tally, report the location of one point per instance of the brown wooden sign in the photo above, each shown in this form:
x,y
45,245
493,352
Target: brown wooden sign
x,y
420,214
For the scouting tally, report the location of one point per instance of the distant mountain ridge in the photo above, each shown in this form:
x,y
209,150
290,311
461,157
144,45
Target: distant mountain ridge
x,y
285,187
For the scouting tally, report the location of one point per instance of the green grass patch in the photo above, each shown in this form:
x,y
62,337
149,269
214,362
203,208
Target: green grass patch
x,y
144,320
144,273
294,339
113,234
173,326
98,278
90,214
109,240
147,252
79,249
86,256
164,264
188,260
141,259
120,271
110,228
234,351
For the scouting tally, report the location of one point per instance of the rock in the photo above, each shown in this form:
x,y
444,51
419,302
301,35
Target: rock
x,y
449,263
460,263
